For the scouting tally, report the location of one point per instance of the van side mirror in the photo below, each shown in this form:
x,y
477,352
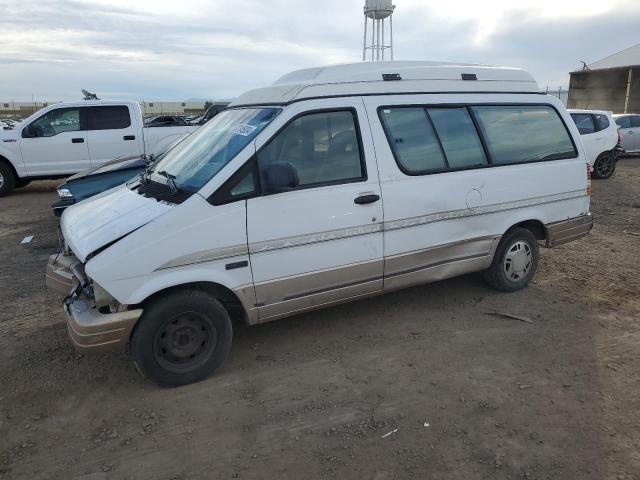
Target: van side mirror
x,y
280,177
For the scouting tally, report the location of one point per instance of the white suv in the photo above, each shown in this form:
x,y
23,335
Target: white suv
x,y
600,136
332,185
629,132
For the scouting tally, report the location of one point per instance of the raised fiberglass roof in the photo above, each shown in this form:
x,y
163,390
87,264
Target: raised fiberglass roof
x,y
368,78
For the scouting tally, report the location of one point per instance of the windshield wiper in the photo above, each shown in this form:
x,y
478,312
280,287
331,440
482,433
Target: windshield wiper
x,y
171,180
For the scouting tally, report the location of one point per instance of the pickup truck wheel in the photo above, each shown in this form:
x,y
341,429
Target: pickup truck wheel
x,y
7,179
604,166
515,261
181,338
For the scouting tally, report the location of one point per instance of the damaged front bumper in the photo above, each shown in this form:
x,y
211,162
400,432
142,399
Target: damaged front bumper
x,y
90,329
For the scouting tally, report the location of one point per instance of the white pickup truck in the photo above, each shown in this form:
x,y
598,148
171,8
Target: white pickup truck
x,y
66,138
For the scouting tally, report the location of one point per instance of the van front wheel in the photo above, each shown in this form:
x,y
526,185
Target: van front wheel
x,y
181,338
515,261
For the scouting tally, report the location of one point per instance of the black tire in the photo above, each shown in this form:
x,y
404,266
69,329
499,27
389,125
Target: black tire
x,y
604,165
181,338
509,276
7,179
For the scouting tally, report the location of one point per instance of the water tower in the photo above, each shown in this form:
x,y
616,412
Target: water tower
x,y
378,11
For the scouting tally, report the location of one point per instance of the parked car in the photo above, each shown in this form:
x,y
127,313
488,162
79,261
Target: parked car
x,y
165,121
332,185
100,179
599,133
630,132
67,138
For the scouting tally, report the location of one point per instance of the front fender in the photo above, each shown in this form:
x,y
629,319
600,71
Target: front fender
x,y
13,157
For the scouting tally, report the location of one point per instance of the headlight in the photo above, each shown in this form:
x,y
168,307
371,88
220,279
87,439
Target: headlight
x,y
65,193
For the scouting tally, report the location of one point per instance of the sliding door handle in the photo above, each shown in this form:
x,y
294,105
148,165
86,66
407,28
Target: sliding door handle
x,y
367,198
77,140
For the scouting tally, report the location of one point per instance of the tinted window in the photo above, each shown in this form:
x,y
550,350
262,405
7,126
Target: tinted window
x,y
624,122
584,122
635,121
516,134
602,121
108,118
321,147
413,139
57,121
458,136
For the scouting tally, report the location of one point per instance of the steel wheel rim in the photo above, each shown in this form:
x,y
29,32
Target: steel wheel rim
x,y
518,261
184,342
1,180
605,165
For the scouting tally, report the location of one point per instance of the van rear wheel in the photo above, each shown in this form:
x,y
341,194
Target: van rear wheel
x,y
515,261
181,338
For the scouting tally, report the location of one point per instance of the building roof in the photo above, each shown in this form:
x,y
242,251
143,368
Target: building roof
x,y
366,78
625,58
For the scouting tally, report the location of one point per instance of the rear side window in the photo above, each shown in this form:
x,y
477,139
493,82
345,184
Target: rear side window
x,y
458,136
110,117
584,122
602,121
635,121
517,134
413,139
624,122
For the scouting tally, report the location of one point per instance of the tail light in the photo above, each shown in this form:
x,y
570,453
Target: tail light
x,y
619,135
589,170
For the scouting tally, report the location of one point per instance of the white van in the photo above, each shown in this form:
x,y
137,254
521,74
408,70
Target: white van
x,y
332,185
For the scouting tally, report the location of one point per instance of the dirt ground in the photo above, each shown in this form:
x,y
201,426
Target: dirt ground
x,y
467,395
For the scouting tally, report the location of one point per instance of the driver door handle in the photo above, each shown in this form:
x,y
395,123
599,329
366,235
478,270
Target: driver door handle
x,y
77,140
366,198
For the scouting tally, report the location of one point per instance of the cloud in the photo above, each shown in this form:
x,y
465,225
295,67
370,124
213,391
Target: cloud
x,y
212,49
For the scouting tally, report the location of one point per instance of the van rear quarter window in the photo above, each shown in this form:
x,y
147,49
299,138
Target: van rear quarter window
x,y
517,134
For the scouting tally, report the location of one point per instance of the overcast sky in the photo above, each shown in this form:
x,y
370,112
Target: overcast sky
x,y
174,50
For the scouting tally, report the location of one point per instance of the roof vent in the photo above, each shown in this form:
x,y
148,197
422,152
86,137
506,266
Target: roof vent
x,y
469,76
391,77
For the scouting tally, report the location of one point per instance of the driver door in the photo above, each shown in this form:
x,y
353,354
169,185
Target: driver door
x,y
315,235
60,146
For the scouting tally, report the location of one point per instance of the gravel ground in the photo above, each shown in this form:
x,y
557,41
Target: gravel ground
x,y
466,394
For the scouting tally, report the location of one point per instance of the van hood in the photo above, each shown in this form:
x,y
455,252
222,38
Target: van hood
x,y
100,220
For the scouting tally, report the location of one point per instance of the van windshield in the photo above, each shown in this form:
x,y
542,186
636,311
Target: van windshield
x,y
193,162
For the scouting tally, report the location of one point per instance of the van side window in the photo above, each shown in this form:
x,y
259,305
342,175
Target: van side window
x,y
57,121
584,122
313,150
527,133
110,117
458,136
413,139
635,121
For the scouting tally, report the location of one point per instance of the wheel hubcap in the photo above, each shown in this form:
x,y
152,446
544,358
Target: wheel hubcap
x,y
184,342
518,261
605,165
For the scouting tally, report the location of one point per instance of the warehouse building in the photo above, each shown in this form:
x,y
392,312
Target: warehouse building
x,y
612,83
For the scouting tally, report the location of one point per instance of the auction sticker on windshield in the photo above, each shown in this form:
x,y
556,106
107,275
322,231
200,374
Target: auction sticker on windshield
x,y
244,130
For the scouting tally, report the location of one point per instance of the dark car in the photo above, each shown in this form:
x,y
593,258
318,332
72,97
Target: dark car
x,y
97,180
165,121
100,179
